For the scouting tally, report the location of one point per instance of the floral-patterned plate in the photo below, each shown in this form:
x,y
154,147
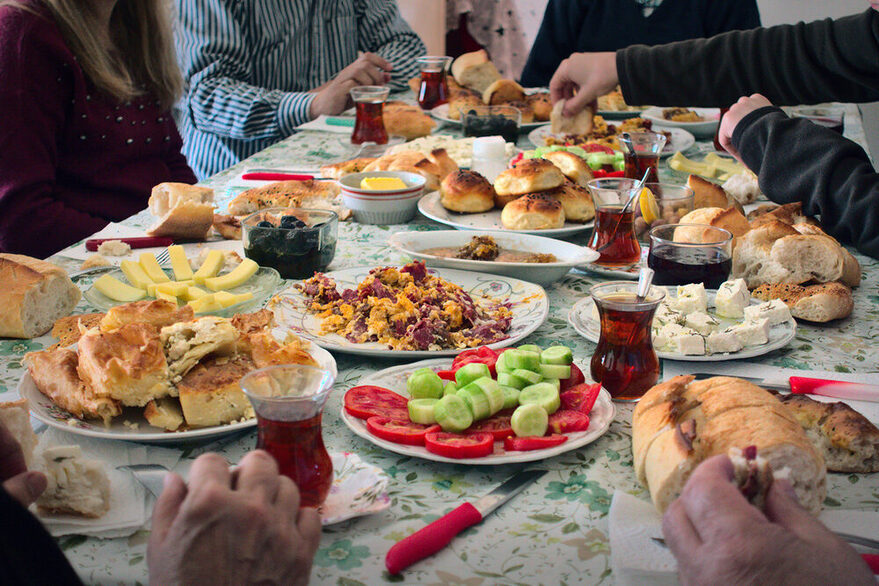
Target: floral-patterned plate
x,y
528,304
394,378
358,489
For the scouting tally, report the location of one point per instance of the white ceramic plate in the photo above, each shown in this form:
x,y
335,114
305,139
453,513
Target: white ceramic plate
x,y
358,489
46,411
620,114
530,307
704,129
430,206
394,378
630,273
681,140
568,255
581,319
441,113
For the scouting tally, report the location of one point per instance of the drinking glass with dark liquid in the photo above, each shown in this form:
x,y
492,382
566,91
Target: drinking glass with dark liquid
x,y
289,401
434,89
681,254
613,236
369,125
641,152
624,361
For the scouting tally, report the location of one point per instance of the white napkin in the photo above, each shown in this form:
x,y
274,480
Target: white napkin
x,y
637,559
320,123
130,504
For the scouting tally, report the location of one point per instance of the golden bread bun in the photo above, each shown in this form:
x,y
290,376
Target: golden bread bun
x,y
580,124
541,104
467,192
534,211
571,166
524,109
576,200
157,313
528,176
503,91
502,200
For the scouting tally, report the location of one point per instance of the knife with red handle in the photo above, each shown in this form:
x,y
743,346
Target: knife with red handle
x,y
803,385
434,537
138,242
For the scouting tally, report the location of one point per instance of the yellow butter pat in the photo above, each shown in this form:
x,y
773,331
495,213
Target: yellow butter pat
x,y
151,267
382,183
135,274
212,265
237,276
117,290
179,263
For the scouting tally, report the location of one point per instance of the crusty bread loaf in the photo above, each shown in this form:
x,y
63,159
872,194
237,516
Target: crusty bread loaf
x,y
681,422
709,195
528,176
503,91
817,303
533,212
571,166
35,293
789,213
15,416
282,194
406,120
576,201
466,192
851,268
182,210
474,70
581,124
541,104
729,219
765,255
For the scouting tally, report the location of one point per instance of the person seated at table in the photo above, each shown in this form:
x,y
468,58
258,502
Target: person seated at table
x,y
254,73
85,97
231,527
572,26
794,159
718,537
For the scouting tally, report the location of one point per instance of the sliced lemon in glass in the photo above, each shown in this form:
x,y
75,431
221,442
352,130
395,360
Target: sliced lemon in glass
x,y
649,208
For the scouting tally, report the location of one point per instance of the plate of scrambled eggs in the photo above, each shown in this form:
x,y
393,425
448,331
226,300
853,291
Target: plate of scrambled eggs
x,y
411,311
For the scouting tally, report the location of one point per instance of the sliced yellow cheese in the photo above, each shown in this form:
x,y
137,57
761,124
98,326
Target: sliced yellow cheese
x,y
227,299
117,290
171,288
205,304
151,267
194,293
212,265
135,274
179,263
166,296
237,276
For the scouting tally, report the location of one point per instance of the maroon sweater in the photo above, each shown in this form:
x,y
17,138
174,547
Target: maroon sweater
x,y
71,159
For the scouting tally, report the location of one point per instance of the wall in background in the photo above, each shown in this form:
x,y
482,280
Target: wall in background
x,y
774,12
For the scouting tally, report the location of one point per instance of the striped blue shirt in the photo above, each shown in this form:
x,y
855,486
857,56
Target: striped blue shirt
x,y
248,66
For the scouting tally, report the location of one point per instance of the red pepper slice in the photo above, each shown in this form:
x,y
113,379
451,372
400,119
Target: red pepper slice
x,y
533,442
399,431
575,379
581,397
368,401
455,445
568,421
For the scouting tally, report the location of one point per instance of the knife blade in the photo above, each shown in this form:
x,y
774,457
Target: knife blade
x,y
802,385
430,539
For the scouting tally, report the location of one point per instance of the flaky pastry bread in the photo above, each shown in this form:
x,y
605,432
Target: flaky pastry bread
x,y
69,329
534,211
528,176
157,313
466,192
681,422
502,91
817,303
210,394
576,201
474,70
267,351
185,343
249,323
571,166
729,219
433,167
182,210
541,104
165,413
339,170
34,294
284,194
15,416
580,124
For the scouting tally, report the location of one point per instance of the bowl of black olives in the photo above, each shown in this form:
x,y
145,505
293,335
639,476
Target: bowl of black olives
x,y
296,242
492,121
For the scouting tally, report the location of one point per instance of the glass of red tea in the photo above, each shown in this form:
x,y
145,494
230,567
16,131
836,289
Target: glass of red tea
x,y
369,126
613,235
434,89
289,402
681,254
641,152
625,362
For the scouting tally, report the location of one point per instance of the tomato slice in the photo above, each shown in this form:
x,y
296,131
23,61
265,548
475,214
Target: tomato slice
x,y
446,374
533,442
580,398
575,379
455,445
568,421
482,355
399,431
498,426
368,401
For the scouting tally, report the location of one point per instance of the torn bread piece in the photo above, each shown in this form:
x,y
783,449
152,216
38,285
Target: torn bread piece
x,y
76,485
183,211
15,416
580,124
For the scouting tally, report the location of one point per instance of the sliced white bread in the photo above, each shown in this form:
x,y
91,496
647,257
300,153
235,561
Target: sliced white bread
x,y
35,293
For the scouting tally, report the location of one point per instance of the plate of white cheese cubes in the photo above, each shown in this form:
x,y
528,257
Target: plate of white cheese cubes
x,y
696,324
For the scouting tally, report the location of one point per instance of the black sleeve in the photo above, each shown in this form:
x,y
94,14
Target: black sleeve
x,y
730,15
554,42
28,554
827,60
796,160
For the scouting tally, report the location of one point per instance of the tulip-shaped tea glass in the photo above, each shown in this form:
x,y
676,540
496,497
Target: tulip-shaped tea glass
x,y
641,151
369,126
434,89
614,233
289,401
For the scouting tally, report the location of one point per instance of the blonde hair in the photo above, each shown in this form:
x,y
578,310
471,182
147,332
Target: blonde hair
x,y
141,59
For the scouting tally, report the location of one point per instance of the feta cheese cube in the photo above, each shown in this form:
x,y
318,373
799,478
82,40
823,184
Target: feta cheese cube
x,y
690,344
667,315
701,322
720,342
751,333
776,311
660,340
691,298
732,298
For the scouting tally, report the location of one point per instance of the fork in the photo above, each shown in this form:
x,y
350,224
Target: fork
x,y
151,476
163,257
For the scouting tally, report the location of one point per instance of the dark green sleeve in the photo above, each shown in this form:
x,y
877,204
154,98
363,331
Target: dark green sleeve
x,y
826,60
832,176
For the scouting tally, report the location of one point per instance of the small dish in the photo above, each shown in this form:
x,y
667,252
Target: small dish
x,y
373,206
703,129
492,121
297,242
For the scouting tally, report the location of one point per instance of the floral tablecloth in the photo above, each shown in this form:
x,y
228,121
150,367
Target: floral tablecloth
x,y
556,531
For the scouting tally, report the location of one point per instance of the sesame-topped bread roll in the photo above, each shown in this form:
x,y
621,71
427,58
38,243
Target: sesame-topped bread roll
x,y
575,199
528,176
534,211
571,166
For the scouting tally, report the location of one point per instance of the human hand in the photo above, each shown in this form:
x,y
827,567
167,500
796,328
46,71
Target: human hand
x,y
332,98
719,538
232,527
22,484
581,78
731,119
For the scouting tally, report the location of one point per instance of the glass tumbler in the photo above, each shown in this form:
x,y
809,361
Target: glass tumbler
x,y
641,152
434,89
613,235
369,126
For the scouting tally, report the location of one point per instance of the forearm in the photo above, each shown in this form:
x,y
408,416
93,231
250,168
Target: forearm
x,y
832,176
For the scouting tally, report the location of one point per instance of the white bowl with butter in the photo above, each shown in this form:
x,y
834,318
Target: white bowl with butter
x,y
374,198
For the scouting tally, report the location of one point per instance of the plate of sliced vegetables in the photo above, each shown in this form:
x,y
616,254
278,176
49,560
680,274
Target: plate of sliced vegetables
x,y
484,408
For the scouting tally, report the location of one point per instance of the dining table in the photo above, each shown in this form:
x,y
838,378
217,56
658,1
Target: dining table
x,y
554,532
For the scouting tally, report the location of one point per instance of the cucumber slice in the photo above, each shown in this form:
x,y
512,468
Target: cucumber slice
x,y
558,371
543,394
505,379
453,414
557,355
531,419
422,410
424,384
476,400
530,348
470,372
511,397
523,378
493,391
523,359
450,389
501,364
557,383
